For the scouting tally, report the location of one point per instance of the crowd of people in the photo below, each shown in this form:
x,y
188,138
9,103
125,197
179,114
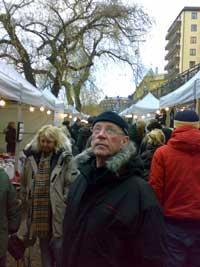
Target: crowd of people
x,y
109,194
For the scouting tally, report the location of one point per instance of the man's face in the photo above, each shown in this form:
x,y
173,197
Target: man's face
x,y
47,145
107,139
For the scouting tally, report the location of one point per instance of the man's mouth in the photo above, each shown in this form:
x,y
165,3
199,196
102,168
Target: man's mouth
x,y
100,144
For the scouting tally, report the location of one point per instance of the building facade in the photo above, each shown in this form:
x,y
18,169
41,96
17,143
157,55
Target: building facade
x,y
149,83
115,103
183,47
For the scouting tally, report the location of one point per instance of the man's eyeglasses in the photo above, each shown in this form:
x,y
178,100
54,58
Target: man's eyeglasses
x,y
108,130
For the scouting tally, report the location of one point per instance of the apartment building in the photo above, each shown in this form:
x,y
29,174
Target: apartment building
x,y
183,47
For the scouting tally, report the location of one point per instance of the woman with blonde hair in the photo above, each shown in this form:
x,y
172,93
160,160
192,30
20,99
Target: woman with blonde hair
x,y
153,140
48,173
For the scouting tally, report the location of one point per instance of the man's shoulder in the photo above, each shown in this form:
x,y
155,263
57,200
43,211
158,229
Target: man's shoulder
x,y
139,190
137,182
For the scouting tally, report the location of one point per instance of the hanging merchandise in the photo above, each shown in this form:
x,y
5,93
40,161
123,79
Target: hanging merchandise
x,y
20,131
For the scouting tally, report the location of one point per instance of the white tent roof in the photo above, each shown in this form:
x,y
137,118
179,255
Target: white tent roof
x,y
71,109
149,103
14,87
187,92
54,102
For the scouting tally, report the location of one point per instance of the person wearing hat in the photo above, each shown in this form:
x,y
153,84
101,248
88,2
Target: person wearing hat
x,y
84,135
113,217
175,178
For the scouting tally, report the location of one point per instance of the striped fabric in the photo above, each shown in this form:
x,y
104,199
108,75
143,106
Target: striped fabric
x,y
186,123
40,226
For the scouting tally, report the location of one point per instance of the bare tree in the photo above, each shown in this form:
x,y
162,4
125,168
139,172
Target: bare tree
x,y
58,42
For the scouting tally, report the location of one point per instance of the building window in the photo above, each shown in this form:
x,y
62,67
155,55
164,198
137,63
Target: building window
x,y
193,39
192,64
194,15
194,27
192,52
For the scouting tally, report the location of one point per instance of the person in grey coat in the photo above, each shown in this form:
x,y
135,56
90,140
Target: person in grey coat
x,y
9,215
47,175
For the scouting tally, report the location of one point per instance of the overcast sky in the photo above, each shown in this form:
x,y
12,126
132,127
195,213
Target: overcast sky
x,y
115,80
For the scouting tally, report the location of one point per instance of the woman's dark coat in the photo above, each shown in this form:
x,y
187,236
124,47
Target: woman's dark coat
x,y
10,139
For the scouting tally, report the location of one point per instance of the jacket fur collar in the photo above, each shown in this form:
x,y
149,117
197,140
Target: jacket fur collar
x,y
115,163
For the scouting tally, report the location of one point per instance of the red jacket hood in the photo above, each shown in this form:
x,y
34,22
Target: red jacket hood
x,y
185,138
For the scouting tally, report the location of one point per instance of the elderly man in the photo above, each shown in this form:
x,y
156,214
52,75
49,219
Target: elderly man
x,y
175,177
112,217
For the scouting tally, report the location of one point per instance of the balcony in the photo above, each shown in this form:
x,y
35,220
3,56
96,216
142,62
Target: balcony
x,y
176,59
172,51
174,39
175,80
172,63
174,27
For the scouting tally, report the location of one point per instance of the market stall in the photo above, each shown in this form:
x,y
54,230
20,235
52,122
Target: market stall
x,y
144,108
21,102
184,94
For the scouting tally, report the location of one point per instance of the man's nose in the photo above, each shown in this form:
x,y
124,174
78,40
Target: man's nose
x,y
102,132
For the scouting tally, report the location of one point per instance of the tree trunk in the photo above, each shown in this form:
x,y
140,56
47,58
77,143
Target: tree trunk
x,y
56,85
29,73
78,103
68,92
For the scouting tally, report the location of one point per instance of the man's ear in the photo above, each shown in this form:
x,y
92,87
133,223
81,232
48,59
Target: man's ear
x,y
125,140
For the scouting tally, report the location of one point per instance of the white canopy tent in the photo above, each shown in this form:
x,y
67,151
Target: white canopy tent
x,y
14,87
186,93
55,103
71,109
147,104
125,112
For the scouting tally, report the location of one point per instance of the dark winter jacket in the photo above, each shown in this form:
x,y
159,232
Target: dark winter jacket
x,y
74,131
10,139
9,211
146,158
83,136
113,218
135,136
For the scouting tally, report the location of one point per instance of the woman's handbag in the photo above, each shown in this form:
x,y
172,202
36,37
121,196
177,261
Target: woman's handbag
x,y
16,247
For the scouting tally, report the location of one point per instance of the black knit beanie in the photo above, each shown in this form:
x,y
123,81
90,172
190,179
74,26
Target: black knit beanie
x,y
114,118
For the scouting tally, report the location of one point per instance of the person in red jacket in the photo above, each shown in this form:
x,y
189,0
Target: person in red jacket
x,y
175,178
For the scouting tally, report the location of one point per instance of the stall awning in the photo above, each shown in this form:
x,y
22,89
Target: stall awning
x,y
186,93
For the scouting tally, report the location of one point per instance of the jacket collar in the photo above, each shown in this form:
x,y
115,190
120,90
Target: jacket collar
x,y
127,156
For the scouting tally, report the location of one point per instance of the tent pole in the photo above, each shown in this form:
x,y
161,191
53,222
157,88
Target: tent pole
x,y
197,108
196,100
19,119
